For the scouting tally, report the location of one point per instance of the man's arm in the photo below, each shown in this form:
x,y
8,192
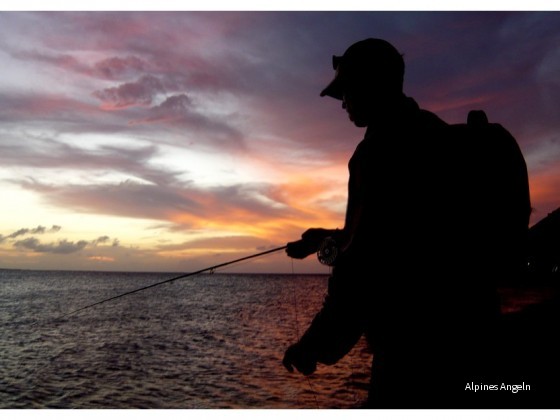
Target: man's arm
x,y
338,325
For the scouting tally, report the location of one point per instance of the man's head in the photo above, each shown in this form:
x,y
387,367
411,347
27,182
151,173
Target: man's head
x,y
368,77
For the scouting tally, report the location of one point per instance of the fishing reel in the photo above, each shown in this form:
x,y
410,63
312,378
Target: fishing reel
x,y
328,252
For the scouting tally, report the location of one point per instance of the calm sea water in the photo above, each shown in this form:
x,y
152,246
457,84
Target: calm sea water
x,y
208,341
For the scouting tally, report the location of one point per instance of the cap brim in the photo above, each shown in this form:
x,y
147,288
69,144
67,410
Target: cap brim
x,y
334,89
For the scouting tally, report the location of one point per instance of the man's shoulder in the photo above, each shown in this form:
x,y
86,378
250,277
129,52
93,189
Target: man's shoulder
x,y
429,119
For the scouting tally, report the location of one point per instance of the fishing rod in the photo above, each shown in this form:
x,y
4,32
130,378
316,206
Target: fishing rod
x,y
182,276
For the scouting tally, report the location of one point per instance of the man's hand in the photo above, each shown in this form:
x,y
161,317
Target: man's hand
x,y
308,244
317,235
302,360
300,249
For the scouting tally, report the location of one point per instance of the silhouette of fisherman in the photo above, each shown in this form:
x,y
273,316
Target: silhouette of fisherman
x,y
436,216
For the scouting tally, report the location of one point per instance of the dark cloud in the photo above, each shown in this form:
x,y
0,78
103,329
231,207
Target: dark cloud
x,y
64,61
111,68
180,111
35,231
24,107
61,247
21,232
39,230
170,121
174,109
185,204
23,113
50,153
128,198
177,105
101,240
138,93
118,68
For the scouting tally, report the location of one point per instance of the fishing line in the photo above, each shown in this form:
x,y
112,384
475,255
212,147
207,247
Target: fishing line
x,y
296,320
182,276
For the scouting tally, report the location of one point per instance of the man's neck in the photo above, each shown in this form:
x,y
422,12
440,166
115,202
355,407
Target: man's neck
x,y
391,113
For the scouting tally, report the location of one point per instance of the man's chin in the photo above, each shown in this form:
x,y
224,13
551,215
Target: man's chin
x,y
358,122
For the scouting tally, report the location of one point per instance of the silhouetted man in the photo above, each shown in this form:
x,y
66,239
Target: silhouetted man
x,y
421,248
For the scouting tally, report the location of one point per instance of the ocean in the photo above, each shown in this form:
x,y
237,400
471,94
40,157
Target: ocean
x,y
205,342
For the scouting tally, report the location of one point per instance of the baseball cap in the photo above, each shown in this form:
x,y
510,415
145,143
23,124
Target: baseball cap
x,y
371,58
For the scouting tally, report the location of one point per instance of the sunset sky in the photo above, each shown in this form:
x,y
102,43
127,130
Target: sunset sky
x,y
171,141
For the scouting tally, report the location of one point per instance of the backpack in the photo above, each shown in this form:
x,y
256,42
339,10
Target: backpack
x,y
495,193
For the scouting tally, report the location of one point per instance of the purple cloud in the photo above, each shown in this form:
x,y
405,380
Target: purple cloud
x,y
118,68
139,93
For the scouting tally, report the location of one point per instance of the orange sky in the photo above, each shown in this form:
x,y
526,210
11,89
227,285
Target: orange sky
x,y
175,141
